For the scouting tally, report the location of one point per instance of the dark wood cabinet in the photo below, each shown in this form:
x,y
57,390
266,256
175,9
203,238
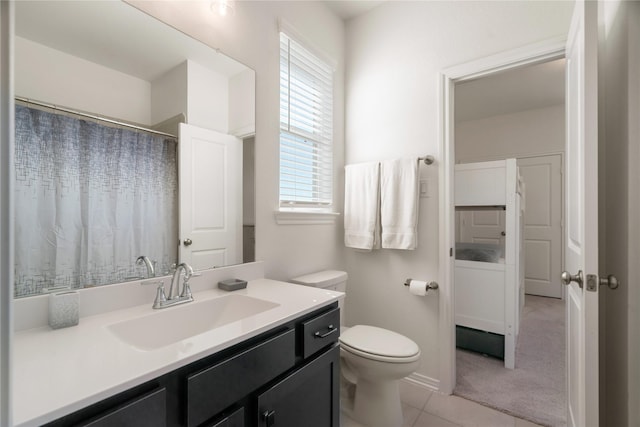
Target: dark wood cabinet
x,y
285,377
148,410
215,388
308,397
236,419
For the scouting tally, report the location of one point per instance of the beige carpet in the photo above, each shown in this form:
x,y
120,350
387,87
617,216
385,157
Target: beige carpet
x,y
535,389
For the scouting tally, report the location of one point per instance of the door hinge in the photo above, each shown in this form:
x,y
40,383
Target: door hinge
x,y
450,252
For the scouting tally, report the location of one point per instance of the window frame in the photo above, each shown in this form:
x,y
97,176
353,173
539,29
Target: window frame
x,y
320,145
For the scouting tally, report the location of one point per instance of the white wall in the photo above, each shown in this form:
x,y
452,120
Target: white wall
x,y
242,103
251,37
394,54
619,102
527,133
169,94
55,77
207,98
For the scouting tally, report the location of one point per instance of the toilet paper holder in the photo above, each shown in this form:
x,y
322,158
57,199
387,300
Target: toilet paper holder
x,y
430,285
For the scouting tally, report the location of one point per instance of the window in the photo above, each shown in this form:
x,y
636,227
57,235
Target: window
x,y
306,128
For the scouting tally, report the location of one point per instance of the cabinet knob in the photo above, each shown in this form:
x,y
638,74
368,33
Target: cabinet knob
x,y
269,418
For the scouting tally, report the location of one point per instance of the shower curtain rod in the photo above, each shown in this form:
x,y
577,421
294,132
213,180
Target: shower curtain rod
x,y
91,116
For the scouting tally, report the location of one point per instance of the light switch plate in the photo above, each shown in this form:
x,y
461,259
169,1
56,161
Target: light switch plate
x,y
424,189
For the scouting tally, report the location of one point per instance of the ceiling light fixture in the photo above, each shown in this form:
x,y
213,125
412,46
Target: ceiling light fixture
x,y
223,7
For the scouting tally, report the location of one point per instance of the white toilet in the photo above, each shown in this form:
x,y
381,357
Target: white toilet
x,y
373,360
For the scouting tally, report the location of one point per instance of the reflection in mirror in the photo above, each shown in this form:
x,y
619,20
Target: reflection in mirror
x,y
480,233
125,142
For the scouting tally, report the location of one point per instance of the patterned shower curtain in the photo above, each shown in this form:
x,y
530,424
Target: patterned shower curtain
x,y
90,199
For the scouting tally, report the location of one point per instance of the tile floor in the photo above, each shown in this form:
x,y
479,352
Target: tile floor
x,y
425,408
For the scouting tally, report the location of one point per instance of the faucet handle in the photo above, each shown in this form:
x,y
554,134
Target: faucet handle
x,y
161,297
186,290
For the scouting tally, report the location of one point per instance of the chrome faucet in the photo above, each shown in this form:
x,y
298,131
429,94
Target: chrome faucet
x,y
188,272
162,300
151,271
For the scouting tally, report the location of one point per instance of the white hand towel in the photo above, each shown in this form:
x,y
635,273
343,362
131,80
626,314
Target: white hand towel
x,y
361,206
399,203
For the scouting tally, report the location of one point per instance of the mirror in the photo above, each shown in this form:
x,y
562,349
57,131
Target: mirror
x,y
94,194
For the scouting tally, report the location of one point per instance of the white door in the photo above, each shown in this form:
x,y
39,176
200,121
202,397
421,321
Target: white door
x,y
542,177
481,225
581,245
210,198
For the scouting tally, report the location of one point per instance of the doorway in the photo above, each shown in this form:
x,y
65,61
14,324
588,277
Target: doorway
x,y
483,139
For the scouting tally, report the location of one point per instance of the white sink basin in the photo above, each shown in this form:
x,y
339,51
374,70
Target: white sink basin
x,y
172,324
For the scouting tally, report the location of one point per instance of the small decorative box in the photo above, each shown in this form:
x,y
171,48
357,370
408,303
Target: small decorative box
x,y
64,310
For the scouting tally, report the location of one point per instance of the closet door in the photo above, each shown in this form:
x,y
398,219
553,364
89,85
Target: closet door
x,y
542,177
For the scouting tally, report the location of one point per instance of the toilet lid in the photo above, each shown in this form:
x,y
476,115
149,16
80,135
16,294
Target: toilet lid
x,y
378,341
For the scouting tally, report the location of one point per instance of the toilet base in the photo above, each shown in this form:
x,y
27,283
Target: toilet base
x,y
376,404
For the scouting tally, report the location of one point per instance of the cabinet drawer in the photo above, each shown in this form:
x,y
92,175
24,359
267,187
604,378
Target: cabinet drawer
x,y
320,332
236,419
213,389
148,410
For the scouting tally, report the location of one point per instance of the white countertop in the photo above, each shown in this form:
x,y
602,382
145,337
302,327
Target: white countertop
x,y
57,372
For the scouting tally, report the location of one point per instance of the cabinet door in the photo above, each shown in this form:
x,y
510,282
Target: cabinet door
x,y
308,397
236,419
147,411
217,387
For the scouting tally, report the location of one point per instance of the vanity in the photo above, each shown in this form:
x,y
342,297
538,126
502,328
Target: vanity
x,y
266,355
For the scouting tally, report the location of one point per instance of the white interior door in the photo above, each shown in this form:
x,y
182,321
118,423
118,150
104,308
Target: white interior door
x,y
542,177
581,246
210,197
482,226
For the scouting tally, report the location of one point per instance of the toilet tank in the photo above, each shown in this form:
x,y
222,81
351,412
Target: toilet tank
x,y
333,280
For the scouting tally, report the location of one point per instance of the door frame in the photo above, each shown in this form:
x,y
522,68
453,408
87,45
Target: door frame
x,y
544,51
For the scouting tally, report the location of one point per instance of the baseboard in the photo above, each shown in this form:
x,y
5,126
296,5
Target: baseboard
x,y
423,381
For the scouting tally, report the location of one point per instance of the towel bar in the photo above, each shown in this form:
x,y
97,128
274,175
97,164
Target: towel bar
x,y
428,160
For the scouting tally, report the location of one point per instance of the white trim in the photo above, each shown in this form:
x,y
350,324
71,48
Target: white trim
x,y
423,381
535,53
292,32
7,134
244,131
305,217
527,55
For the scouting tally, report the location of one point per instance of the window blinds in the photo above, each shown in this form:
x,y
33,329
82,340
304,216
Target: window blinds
x,y
306,127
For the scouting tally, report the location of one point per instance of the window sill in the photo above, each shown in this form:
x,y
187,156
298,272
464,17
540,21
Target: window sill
x,y
305,217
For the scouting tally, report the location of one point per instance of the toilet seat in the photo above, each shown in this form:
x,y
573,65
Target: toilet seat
x,y
379,344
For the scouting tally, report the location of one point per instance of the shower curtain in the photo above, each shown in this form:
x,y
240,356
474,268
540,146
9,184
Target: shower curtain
x,y
90,199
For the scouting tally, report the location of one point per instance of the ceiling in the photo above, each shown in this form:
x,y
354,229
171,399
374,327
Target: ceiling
x,y
116,35
525,88
350,9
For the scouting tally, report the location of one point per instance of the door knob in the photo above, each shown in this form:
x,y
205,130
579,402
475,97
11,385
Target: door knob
x,y
567,278
187,242
502,233
611,281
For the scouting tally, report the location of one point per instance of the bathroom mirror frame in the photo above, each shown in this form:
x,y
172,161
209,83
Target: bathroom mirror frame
x,y
165,53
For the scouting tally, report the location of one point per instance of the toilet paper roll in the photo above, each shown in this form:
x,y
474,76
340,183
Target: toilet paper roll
x,y
418,287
